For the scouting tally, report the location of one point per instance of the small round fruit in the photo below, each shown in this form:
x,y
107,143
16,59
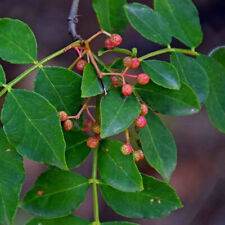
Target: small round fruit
x,y
140,122
135,63
144,109
137,156
81,64
143,78
116,39
127,89
127,61
68,125
142,157
109,44
62,115
115,81
92,142
96,129
126,149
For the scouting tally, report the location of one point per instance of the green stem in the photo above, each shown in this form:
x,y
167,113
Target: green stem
x,y
95,190
29,70
167,50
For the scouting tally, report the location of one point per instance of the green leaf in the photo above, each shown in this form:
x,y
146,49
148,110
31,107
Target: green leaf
x,y
192,74
170,102
215,103
118,223
183,20
110,14
102,51
61,87
17,42
148,23
162,73
69,220
158,146
157,199
32,125
76,148
91,85
118,170
12,178
63,192
2,76
219,54
117,112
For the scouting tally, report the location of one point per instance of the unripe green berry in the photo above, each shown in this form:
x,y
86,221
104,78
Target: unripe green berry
x,y
96,129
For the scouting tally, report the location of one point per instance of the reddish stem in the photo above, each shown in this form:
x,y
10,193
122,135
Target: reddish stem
x,y
90,115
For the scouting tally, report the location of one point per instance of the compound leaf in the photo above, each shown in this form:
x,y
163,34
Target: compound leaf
x,y
183,20
117,112
157,199
12,178
170,102
158,146
32,125
17,42
110,14
162,73
56,193
61,87
192,74
118,170
148,23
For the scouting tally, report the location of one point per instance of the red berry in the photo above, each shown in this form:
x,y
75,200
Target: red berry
x,y
140,122
96,129
126,149
92,142
135,63
142,157
127,89
143,78
109,44
62,115
81,64
115,81
137,156
116,39
127,61
144,109
68,125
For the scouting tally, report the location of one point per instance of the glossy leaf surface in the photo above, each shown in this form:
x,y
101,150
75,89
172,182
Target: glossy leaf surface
x,y
157,199
183,20
2,76
192,74
117,112
158,146
148,23
215,103
162,73
12,177
69,220
219,54
170,102
118,170
91,85
17,42
76,148
61,87
61,193
110,14
33,127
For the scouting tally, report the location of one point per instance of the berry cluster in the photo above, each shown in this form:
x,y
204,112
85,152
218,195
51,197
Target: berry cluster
x,y
114,41
67,123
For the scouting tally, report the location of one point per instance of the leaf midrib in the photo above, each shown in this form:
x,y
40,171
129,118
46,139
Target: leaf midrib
x,y
36,128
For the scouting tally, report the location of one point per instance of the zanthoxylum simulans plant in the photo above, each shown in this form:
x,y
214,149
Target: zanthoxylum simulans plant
x,y
48,125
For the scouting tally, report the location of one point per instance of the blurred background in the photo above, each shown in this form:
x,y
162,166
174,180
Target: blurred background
x,y
200,175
